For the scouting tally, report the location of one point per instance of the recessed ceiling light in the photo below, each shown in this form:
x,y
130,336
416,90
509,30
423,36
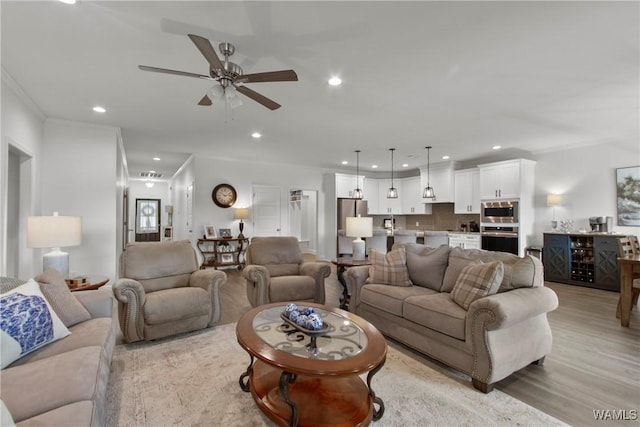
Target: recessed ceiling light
x,y
67,1
344,162
496,147
149,184
405,165
374,166
256,135
335,81
99,109
445,157
156,159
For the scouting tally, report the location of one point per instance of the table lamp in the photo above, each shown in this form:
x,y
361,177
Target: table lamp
x,y
54,232
359,227
554,200
241,214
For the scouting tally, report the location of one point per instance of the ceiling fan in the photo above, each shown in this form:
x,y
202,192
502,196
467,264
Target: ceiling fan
x,y
228,75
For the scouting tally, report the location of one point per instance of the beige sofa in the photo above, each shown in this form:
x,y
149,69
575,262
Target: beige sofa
x,y
64,383
498,335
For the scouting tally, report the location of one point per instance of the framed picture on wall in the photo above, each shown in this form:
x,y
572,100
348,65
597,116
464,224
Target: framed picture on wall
x,y
209,232
628,196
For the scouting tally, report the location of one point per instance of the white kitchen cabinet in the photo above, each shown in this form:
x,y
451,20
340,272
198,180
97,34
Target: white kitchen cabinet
x,y
370,194
441,178
345,184
464,241
467,191
500,180
410,190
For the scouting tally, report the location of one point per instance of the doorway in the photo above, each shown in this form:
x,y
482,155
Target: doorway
x,y
19,189
266,215
147,220
303,219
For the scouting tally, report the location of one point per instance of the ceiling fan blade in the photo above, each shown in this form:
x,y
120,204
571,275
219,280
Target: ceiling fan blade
x,y
205,101
205,48
270,76
177,73
272,105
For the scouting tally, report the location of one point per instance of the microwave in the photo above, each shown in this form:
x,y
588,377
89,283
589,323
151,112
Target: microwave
x,y
502,212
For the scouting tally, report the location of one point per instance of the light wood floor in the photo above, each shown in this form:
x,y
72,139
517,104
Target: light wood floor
x,y
594,365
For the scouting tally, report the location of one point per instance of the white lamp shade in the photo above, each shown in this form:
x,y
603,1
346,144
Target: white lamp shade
x,y
359,226
241,213
53,231
554,199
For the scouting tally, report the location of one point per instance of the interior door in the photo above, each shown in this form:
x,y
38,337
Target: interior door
x,y
147,220
267,215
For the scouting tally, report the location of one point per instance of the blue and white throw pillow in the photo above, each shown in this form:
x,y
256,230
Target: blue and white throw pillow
x,y
27,322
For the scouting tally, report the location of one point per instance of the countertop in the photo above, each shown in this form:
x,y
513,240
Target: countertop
x,y
586,233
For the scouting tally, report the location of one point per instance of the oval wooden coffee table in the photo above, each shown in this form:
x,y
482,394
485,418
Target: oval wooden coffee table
x,y
294,383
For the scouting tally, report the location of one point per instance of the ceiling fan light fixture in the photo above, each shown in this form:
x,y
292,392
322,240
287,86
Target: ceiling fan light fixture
x,y
216,93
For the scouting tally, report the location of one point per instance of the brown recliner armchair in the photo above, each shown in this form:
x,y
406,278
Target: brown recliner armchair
x,y
162,292
276,272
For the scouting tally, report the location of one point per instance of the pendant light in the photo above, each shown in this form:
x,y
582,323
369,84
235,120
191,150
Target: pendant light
x,y
392,192
357,193
428,192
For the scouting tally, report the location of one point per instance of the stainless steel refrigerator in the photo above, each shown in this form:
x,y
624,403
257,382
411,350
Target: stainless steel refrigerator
x,y
350,207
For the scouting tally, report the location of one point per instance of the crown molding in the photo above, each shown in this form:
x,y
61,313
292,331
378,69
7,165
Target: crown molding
x,y
17,89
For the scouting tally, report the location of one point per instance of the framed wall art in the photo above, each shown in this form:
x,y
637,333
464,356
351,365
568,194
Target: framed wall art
x,y
628,196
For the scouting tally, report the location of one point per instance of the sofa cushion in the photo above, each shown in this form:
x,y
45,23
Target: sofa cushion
x,y
389,268
437,312
53,382
56,291
426,265
519,272
94,332
170,305
390,298
477,281
27,322
292,288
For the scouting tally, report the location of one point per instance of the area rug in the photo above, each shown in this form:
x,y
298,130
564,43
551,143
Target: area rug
x,y
192,380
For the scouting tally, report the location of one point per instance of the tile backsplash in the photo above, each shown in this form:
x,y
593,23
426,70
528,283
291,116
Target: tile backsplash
x,y
441,218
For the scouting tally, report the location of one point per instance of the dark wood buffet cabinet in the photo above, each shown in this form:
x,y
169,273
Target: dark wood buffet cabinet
x,y
584,259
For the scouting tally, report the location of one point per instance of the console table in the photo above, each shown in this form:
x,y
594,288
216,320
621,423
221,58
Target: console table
x,y
223,252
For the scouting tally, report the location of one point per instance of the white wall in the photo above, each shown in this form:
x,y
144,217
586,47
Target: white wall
x,y
21,126
586,179
79,179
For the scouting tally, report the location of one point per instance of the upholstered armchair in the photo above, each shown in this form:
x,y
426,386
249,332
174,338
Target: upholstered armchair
x,y
162,292
276,272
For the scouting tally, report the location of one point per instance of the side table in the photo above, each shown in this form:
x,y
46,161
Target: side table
x,y
93,282
342,264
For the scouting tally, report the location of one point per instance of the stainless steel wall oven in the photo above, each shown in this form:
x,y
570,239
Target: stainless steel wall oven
x,y
500,238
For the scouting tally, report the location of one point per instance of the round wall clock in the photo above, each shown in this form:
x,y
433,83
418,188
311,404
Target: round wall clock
x,y
224,195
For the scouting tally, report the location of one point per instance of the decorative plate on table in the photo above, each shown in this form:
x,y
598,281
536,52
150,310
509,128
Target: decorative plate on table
x,y
310,332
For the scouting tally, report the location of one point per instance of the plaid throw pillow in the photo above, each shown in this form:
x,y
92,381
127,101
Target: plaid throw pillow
x,y
476,281
389,269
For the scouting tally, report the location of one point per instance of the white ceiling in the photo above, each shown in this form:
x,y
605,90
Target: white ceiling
x,y
460,76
